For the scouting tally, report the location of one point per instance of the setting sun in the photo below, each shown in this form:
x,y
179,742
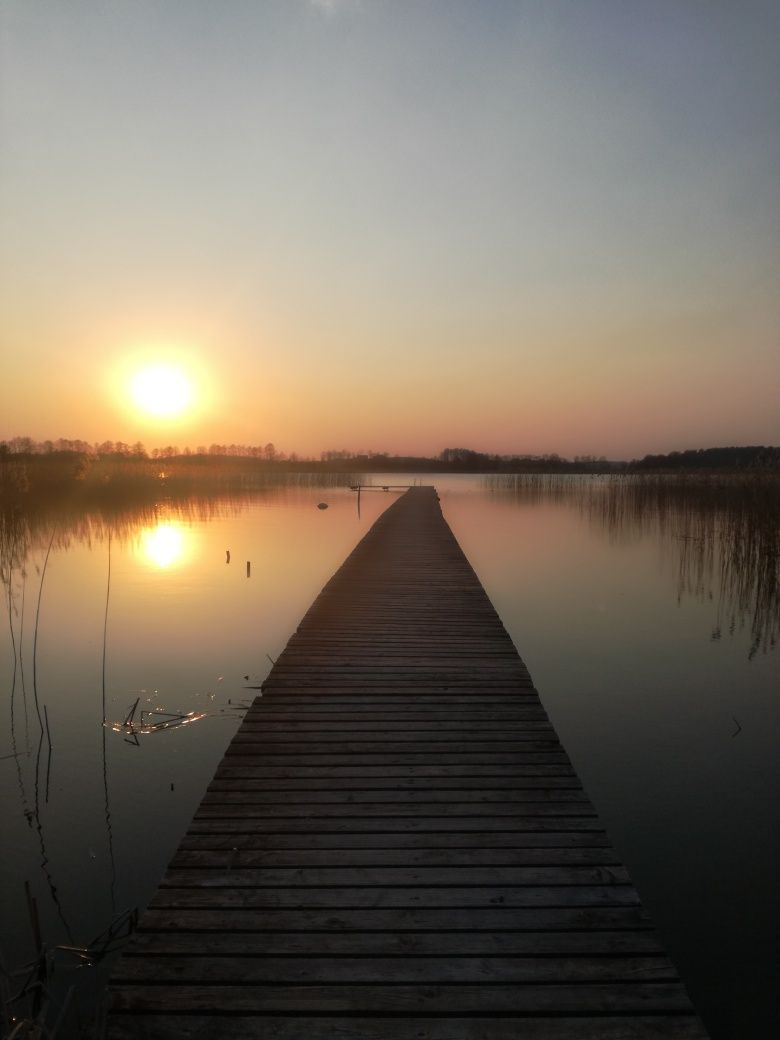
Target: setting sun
x,y
161,390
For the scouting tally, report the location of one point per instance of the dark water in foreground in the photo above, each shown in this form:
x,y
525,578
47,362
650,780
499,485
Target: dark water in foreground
x,y
646,611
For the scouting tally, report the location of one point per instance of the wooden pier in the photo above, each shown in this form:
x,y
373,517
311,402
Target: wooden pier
x,y
395,845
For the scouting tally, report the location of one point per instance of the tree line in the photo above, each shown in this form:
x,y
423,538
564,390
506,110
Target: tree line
x,y
119,449
752,457
456,460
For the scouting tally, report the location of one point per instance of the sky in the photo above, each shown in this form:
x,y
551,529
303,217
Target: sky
x,y
393,225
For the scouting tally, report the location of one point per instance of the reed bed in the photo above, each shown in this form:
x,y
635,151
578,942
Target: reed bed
x,y
723,530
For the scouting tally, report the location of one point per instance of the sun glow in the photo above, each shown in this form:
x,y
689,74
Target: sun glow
x,y
164,546
163,391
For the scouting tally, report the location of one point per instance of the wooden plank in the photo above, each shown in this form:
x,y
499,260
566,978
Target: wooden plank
x,y
395,845
275,970
667,997
317,683
444,840
441,875
329,788
356,757
511,730
397,944
394,697
296,719
237,792
347,810
251,768
480,824
370,898
438,857
378,1027
451,743
398,919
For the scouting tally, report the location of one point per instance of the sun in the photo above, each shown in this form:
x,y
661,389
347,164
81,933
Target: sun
x,y
163,391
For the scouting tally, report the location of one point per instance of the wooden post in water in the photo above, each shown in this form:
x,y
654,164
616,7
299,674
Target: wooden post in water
x,y
395,845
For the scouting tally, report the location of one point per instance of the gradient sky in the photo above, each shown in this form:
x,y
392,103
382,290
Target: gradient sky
x,y
394,225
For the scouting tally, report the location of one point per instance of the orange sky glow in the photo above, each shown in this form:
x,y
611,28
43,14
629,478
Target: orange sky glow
x,y
515,228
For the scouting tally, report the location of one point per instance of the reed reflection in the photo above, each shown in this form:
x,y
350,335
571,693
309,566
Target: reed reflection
x,y
722,534
28,517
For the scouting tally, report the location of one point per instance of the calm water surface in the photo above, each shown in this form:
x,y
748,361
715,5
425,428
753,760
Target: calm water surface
x,y
651,647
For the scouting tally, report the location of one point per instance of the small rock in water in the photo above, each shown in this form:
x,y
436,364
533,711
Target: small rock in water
x,y
322,505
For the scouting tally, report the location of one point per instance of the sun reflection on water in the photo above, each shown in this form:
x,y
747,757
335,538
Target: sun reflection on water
x,y
166,545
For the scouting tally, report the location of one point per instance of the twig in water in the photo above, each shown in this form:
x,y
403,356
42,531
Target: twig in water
x,y
46,718
21,664
738,730
35,635
121,928
270,659
11,617
131,714
32,910
105,625
48,757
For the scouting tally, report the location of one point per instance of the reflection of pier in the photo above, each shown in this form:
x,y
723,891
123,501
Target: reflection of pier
x,y
395,844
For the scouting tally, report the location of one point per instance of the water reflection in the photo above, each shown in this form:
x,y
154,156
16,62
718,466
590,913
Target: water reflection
x,y
175,620
72,830
722,535
26,526
166,545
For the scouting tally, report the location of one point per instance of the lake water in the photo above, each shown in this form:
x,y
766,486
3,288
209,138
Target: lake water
x,y
647,619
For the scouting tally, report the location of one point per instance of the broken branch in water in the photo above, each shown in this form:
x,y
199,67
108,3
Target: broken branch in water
x,y
143,725
120,929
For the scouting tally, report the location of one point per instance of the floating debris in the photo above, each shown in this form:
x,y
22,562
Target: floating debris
x,y
109,940
141,723
322,505
28,1006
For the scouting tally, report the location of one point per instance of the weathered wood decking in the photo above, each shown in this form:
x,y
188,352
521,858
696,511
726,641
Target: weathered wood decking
x,y
395,845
